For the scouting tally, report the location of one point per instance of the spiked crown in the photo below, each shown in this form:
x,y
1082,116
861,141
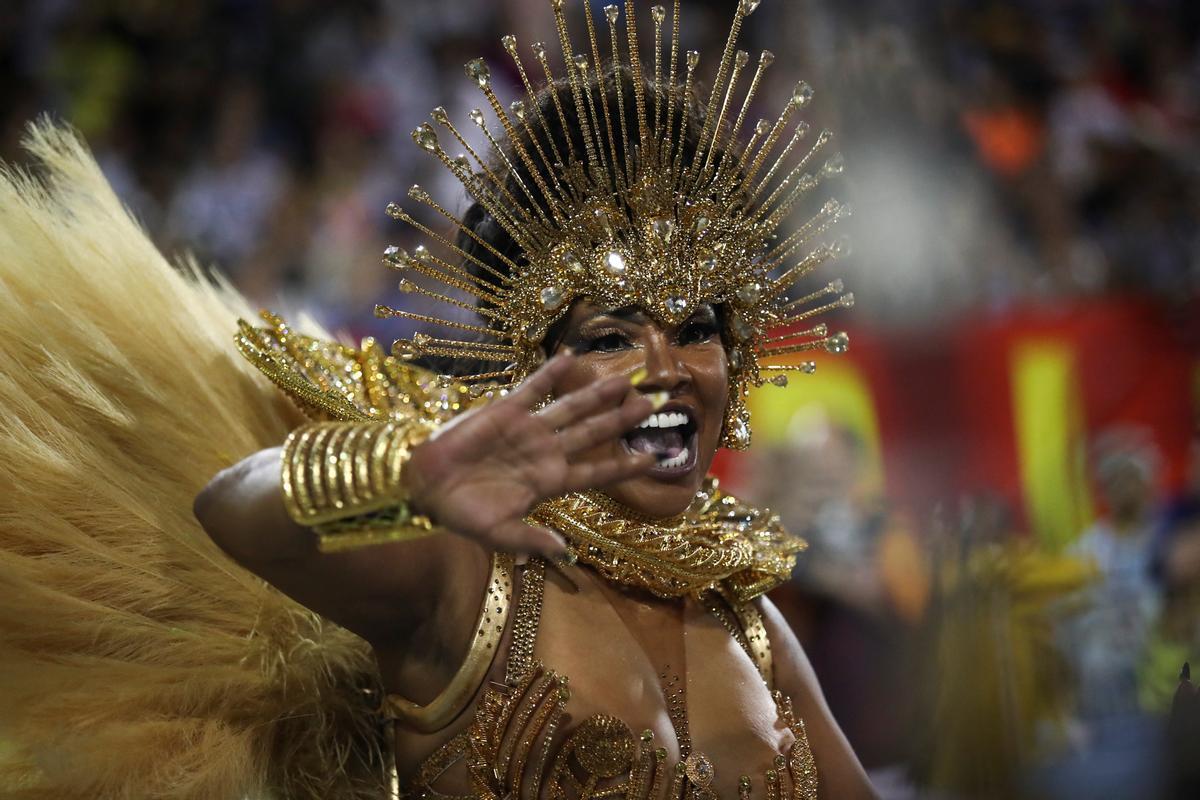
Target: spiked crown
x,y
639,217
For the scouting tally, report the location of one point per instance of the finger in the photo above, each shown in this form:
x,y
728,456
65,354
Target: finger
x,y
517,536
534,388
605,426
582,403
601,473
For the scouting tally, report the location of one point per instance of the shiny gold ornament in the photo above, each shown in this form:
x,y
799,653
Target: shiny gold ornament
x,y
632,230
717,541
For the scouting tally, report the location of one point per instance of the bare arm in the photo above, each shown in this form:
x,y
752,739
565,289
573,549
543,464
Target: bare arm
x,y
477,477
840,774
367,591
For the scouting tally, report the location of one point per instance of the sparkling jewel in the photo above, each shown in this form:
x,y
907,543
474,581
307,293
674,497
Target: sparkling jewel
x,y
581,62
478,72
440,116
391,253
693,58
707,264
835,165
658,14
421,253
838,343
614,263
735,360
462,163
840,247
741,434
612,12
417,193
802,95
767,58
664,229
702,223
552,297
603,219
780,380
742,330
406,286
763,127
393,210
748,293
836,286
572,262
425,138
747,6
808,367
676,305
477,117
847,300
539,50
510,43
741,59
518,109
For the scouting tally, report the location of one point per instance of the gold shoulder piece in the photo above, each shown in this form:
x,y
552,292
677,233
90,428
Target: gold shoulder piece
x,y
457,695
332,381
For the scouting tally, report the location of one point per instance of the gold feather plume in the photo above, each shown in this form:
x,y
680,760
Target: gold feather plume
x,y
136,660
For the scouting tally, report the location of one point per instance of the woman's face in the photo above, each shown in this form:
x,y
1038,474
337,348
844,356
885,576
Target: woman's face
x,y
687,361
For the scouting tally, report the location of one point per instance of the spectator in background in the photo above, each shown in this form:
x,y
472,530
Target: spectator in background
x,y
1110,635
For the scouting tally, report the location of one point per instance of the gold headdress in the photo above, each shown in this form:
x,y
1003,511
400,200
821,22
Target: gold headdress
x,y
634,225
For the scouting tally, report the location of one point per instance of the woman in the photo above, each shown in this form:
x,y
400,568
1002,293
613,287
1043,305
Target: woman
x,y
635,652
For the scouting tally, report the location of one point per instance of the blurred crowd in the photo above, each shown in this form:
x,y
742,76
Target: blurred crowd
x,y
1000,153
998,150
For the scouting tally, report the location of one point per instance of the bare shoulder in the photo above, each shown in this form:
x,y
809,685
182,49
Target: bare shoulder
x,y
841,774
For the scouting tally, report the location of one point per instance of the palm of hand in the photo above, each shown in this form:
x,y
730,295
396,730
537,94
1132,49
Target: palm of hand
x,y
489,467
480,474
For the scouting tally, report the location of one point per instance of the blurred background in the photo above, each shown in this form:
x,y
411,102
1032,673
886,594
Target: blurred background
x,y
1000,483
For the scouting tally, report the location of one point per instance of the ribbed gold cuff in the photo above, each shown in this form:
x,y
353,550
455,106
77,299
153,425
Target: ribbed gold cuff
x,y
345,480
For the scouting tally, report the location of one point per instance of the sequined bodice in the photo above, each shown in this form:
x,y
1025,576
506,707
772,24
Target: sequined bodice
x,y
523,743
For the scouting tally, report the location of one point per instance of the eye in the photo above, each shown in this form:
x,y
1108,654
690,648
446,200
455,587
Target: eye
x,y
606,342
697,331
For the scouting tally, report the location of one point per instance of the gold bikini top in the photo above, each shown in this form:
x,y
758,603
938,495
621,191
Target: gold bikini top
x,y
516,744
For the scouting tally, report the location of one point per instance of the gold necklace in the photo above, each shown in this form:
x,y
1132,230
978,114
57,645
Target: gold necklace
x,y
718,540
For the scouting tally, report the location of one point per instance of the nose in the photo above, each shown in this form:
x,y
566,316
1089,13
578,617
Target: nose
x,y
665,371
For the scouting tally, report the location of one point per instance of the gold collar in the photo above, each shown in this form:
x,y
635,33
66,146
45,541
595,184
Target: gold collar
x,y
718,540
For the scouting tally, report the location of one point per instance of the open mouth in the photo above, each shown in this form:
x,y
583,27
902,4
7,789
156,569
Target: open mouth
x,y
670,435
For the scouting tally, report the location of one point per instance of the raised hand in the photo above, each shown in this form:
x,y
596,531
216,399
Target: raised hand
x,y
480,474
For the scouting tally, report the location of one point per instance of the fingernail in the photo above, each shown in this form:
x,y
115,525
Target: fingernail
x,y
638,376
659,399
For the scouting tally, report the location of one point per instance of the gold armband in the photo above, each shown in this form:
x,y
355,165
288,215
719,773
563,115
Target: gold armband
x,y
345,480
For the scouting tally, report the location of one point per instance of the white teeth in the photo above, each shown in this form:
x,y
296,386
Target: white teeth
x,y
666,419
677,461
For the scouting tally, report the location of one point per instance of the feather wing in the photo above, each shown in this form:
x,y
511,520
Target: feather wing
x,y
138,661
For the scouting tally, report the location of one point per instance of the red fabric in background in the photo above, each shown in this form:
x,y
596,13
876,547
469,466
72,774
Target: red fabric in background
x,y
944,397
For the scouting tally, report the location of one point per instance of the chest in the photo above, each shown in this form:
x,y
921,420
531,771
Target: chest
x,y
608,694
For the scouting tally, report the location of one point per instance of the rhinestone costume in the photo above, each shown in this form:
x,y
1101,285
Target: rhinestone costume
x,y
720,551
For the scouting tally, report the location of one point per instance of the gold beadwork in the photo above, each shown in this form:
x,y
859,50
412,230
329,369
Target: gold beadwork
x,y
634,224
717,540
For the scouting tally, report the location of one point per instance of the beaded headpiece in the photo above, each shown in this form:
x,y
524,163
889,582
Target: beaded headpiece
x,y
635,226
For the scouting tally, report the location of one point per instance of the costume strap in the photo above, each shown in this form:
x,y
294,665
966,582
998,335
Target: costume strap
x,y
445,708
529,618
